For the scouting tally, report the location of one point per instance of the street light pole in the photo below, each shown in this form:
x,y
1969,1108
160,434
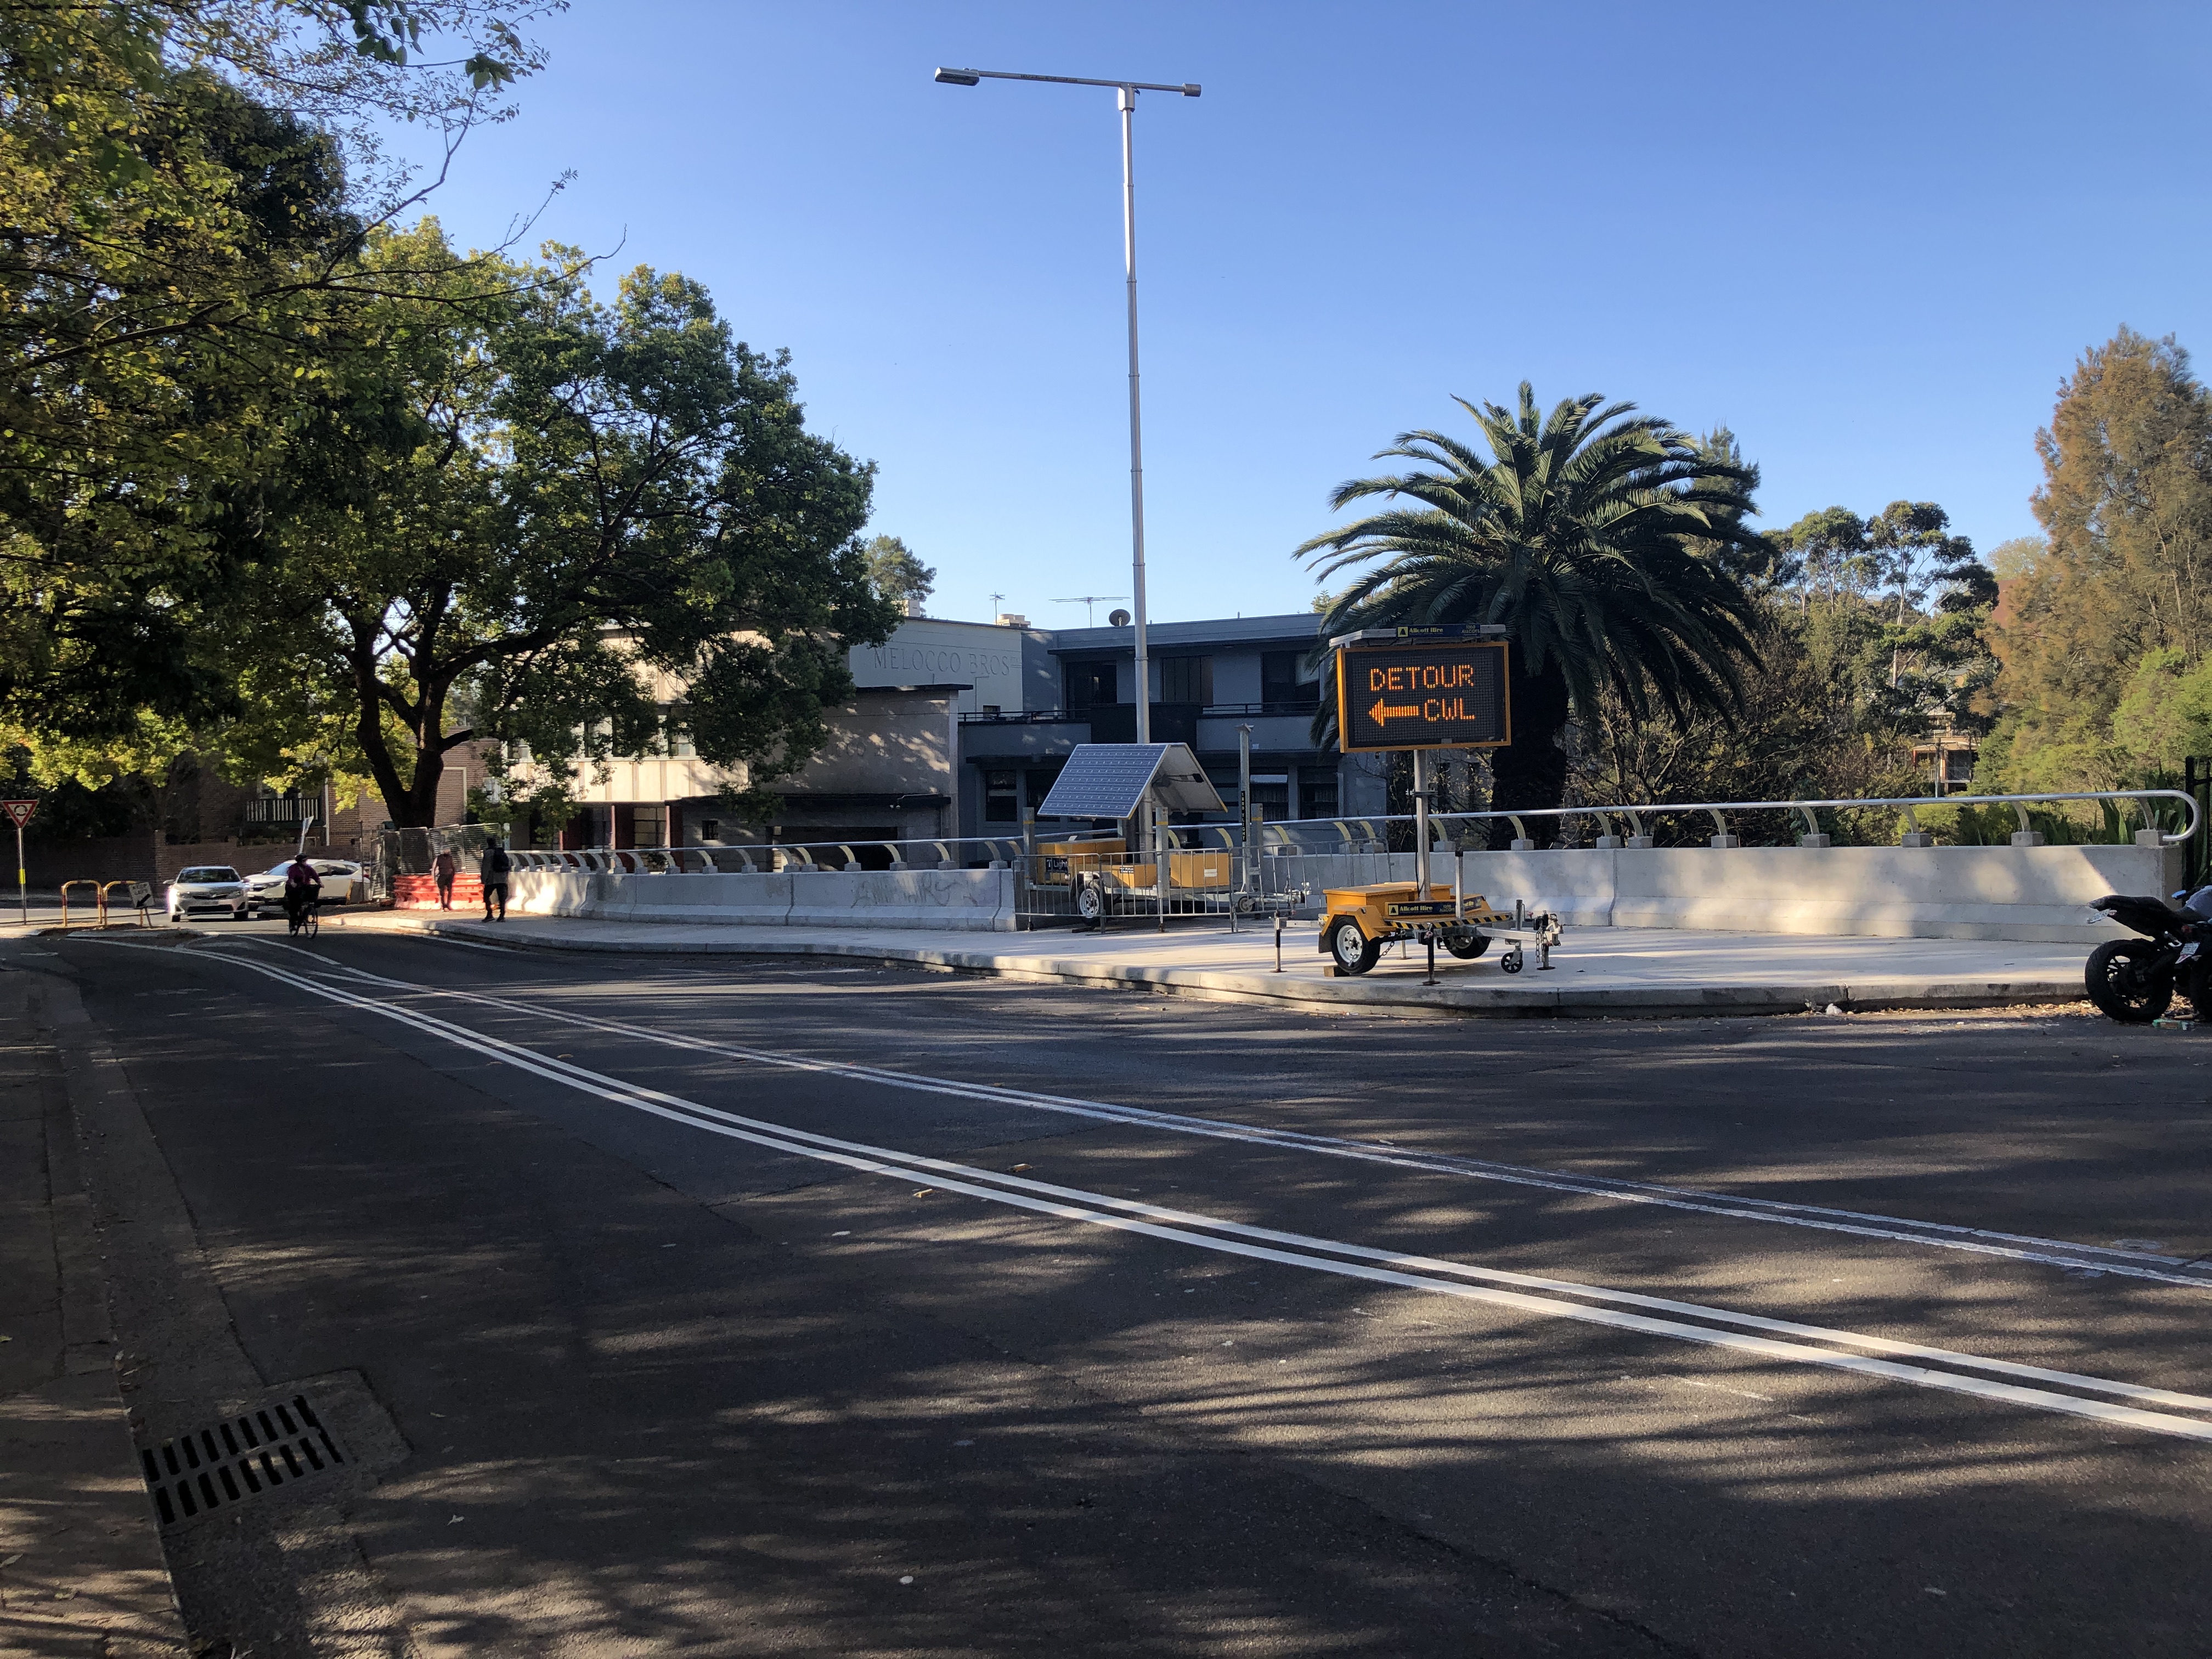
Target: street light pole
x,y
1127,97
1126,101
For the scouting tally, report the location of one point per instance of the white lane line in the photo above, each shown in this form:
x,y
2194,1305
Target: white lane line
x,y
442,939
1236,1239
2014,1246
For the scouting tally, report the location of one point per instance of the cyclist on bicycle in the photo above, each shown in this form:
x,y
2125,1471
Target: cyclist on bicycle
x,y
303,890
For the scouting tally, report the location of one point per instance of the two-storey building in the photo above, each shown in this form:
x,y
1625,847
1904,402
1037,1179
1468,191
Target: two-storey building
x,y
958,728
1205,680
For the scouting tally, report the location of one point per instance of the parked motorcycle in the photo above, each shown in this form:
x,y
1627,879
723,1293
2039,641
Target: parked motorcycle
x,y
2133,979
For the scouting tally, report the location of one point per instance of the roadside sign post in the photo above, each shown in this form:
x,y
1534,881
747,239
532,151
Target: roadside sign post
x,y
20,811
1421,692
1416,688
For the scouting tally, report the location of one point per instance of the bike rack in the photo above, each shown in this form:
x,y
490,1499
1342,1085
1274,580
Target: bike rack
x,y
99,898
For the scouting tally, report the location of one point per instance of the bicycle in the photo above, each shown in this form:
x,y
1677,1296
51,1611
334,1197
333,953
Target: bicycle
x,y
306,918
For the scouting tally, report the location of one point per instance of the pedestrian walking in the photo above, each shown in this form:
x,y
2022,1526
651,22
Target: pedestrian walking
x,y
444,867
492,869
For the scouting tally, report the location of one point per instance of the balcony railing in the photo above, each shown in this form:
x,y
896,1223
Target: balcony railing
x,y
1281,705
284,809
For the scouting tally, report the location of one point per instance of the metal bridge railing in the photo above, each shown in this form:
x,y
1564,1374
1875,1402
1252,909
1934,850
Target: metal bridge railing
x,y
1265,878
1370,833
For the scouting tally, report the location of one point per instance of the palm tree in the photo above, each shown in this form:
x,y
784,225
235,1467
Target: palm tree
x,y
1611,545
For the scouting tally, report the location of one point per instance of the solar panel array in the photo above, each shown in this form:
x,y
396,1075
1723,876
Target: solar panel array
x,y
1104,780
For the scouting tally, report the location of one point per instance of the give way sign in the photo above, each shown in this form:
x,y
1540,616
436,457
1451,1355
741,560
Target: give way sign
x,y
20,811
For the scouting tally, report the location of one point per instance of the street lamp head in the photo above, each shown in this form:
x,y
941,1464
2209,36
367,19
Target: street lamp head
x,y
953,77
1190,89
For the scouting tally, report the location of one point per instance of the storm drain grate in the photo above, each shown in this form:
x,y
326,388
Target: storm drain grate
x,y
270,1447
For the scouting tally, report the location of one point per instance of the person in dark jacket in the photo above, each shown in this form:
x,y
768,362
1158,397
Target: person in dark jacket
x,y
491,870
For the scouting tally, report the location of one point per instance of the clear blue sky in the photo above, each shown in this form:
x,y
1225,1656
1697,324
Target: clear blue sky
x,y
1871,239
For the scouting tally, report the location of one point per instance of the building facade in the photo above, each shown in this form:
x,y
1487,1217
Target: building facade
x,y
1205,680
957,729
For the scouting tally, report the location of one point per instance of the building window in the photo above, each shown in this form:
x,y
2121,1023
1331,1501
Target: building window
x,y
1089,682
1282,682
1316,792
1187,679
1271,796
648,825
1002,801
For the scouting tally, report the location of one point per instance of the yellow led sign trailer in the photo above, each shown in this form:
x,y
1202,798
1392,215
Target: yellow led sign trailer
x,y
1447,695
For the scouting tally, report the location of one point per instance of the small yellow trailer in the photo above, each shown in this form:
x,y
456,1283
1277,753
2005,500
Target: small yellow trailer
x,y
1357,922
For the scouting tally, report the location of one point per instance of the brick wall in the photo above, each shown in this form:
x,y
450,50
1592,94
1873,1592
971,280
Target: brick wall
x,y
101,857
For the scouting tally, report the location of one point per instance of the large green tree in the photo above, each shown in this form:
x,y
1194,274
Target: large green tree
x,y
179,227
2099,629
1609,544
590,528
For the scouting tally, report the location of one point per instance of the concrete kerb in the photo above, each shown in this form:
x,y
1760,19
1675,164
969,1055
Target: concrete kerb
x,y
1399,994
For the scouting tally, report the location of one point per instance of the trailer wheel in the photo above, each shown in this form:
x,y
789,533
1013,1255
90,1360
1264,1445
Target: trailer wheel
x,y
1091,903
1350,950
1468,950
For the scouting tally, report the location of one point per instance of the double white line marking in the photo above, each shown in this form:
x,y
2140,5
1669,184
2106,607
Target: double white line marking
x,y
1976,1241
2102,1399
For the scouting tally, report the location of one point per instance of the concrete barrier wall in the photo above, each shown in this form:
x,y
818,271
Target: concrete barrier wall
x,y
2028,893
956,901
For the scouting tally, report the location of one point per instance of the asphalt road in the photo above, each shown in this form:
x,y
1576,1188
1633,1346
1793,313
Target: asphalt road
x,y
760,1307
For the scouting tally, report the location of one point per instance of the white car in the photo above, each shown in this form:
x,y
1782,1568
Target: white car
x,y
343,883
206,887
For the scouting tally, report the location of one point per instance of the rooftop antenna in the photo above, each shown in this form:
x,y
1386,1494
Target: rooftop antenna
x,y
1086,600
995,599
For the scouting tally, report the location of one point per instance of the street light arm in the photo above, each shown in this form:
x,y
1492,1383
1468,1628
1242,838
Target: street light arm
x,y
968,77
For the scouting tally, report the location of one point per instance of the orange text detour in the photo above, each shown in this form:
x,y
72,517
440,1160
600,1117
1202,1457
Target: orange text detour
x,y
1441,695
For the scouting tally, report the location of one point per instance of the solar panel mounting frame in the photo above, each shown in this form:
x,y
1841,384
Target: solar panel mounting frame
x,y
1111,779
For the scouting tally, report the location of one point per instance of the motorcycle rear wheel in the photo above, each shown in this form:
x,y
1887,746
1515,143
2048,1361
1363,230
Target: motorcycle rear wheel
x,y
2121,989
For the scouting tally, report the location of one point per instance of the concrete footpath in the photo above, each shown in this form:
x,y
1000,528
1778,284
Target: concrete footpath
x,y
1621,972
81,1566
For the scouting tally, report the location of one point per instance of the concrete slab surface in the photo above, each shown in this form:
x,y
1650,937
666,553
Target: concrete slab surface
x,y
1600,971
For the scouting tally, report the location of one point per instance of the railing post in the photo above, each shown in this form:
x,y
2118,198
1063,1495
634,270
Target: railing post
x,y
1160,865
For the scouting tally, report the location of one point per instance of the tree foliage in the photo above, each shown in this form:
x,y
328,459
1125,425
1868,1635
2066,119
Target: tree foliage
x,y
1609,543
898,575
178,243
2102,634
589,529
